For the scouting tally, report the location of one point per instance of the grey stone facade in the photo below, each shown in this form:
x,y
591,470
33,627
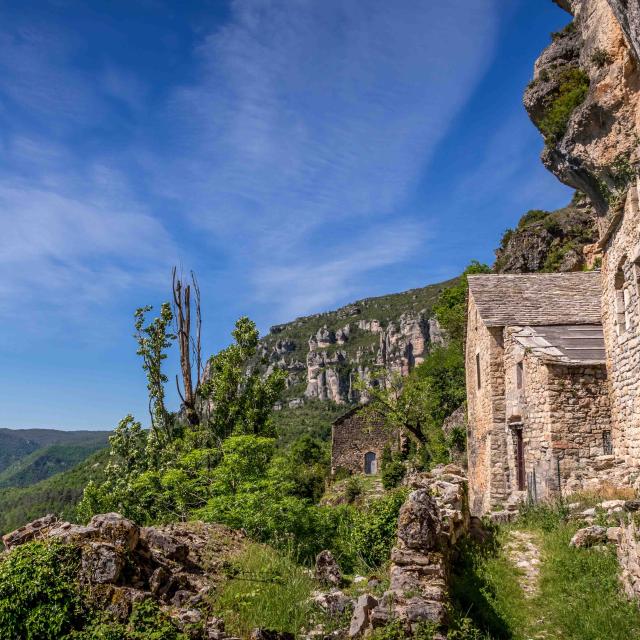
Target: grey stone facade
x,y
538,395
357,444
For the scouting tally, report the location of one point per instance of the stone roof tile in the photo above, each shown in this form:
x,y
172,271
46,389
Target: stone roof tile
x,y
537,298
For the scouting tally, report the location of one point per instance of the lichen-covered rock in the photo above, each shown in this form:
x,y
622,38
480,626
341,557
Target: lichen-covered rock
x,y
119,530
589,536
327,569
102,563
36,529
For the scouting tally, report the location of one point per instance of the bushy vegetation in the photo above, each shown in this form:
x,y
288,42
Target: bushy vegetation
x,y
572,89
39,595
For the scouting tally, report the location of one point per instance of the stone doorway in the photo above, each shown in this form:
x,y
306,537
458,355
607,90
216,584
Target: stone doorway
x,y
370,463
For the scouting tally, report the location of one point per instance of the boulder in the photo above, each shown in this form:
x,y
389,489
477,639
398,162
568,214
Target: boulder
x,y
165,544
102,563
419,523
588,536
361,614
29,532
334,602
117,529
327,569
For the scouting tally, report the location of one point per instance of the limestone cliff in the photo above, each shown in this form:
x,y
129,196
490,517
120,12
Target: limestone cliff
x,y
584,99
325,353
550,240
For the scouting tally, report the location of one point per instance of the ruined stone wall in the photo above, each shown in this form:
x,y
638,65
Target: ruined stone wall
x,y
622,339
486,443
353,437
628,551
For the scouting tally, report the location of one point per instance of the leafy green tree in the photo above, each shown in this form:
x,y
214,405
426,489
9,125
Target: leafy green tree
x,y
451,306
153,341
236,401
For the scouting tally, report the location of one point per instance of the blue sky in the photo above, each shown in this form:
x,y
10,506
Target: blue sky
x,y
296,154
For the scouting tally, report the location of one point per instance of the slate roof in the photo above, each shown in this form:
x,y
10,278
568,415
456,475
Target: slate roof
x,y
534,299
565,344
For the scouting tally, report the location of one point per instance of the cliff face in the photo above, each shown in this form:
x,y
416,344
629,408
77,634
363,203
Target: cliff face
x,y
550,240
584,99
325,353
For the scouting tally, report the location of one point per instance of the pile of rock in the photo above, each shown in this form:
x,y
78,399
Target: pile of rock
x,y
124,564
432,520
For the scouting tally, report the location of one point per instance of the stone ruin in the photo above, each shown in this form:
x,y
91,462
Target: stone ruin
x,y
432,521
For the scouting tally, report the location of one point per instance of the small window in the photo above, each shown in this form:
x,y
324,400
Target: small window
x,y
519,375
621,302
478,376
607,444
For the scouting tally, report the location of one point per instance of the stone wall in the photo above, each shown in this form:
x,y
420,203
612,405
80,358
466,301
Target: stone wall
x,y
486,443
629,556
433,519
622,252
353,436
565,412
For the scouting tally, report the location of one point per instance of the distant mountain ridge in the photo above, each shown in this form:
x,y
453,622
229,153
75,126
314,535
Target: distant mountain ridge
x,y
28,456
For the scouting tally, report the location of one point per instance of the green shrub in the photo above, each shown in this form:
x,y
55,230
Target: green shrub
x,y
600,58
567,30
365,538
392,473
39,597
531,217
354,488
146,622
571,92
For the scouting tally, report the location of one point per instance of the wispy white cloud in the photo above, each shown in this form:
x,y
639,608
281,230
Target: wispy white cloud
x,y
310,118
336,272
307,124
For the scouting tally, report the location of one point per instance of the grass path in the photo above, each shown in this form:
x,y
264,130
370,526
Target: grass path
x,y
531,585
523,552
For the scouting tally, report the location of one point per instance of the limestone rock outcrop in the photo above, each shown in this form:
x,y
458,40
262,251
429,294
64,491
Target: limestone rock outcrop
x,y
597,55
122,564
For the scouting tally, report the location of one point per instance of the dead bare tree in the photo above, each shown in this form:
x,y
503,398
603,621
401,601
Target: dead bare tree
x,y
189,345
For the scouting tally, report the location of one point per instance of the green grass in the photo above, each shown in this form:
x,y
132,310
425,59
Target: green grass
x,y
580,592
579,597
265,589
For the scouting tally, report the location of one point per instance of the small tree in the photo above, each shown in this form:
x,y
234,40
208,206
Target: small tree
x,y
153,341
238,400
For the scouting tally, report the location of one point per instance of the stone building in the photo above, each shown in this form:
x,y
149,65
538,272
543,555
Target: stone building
x,y
357,444
620,244
539,418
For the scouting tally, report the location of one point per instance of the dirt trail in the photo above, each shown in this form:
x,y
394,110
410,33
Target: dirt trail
x,y
523,552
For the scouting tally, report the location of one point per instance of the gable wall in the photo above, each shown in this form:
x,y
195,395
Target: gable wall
x,y
486,445
352,438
